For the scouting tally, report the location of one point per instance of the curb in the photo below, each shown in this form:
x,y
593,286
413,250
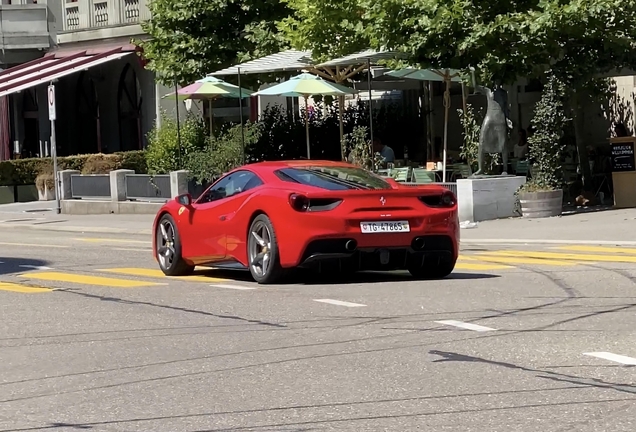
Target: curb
x,y
78,229
547,241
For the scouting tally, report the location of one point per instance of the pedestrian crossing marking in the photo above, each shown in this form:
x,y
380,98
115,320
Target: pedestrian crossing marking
x,y
24,289
601,249
87,280
518,260
567,256
475,264
33,245
112,240
156,273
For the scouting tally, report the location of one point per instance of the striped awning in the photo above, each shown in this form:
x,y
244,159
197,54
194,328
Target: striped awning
x,y
290,60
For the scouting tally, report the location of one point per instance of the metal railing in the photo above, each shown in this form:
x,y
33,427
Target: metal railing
x,y
145,187
95,14
448,185
90,186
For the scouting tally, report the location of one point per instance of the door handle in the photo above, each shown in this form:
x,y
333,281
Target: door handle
x,y
222,218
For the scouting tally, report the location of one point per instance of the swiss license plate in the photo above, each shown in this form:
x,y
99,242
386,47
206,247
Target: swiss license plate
x,y
384,227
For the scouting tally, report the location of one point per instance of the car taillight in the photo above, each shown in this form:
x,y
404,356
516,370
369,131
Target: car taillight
x,y
445,199
303,204
299,202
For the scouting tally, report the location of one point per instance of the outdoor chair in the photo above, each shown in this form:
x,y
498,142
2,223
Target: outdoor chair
x,y
420,175
522,168
401,174
463,170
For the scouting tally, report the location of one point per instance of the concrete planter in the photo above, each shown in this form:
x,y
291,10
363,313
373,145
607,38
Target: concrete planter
x,y
46,194
541,204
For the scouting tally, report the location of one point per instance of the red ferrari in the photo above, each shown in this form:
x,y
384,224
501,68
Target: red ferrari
x,y
273,216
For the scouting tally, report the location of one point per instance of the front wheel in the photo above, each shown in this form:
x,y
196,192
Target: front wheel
x,y
438,270
169,255
262,251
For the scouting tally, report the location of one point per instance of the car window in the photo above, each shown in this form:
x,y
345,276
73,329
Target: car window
x,y
333,178
232,184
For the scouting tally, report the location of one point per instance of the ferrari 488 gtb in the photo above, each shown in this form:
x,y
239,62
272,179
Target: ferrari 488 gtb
x,y
273,216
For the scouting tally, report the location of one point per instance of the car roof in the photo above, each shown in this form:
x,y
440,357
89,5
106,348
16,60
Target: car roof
x,y
270,166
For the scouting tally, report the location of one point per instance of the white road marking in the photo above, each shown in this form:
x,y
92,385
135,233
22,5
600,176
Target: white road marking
x,y
613,357
467,326
339,303
236,287
133,249
36,267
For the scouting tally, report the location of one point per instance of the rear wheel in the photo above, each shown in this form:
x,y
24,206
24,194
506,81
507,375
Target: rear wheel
x,y
169,249
262,251
424,270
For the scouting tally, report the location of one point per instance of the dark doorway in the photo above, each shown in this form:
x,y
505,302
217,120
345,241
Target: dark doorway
x,y
30,114
87,115
130,100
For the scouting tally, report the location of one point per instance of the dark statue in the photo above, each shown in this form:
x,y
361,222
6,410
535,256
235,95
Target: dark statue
x,y
494,130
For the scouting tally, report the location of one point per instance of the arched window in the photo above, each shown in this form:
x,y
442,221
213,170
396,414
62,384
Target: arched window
x,y
87,115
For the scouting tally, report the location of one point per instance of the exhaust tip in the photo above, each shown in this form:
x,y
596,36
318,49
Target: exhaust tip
x,y
418,243
351,246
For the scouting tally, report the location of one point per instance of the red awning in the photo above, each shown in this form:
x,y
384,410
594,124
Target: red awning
x,y
50,67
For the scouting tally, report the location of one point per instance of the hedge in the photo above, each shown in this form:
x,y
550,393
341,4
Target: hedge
x,y
24,171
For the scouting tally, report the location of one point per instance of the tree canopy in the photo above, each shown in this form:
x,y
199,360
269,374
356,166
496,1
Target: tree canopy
x,y
190,38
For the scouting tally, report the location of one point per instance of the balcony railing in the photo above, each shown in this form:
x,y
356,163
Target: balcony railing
x,y
96,14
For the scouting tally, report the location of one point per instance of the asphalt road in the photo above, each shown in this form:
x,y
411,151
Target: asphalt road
x,y
517,339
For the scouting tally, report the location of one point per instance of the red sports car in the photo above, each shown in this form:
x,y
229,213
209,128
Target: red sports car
x,y
273,216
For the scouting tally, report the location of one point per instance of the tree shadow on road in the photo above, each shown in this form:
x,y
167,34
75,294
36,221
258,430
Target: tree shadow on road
x,y
14,265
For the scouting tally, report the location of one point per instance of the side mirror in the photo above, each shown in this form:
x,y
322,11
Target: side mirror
x,y
184,200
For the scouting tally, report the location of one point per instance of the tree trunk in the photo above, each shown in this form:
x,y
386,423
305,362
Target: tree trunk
x,y
581,148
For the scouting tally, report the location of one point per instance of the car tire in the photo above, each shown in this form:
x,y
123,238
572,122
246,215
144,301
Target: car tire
x,y
262,251
168,252
435,271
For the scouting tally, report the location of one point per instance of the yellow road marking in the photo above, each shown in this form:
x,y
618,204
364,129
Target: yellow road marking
x,y
33,245
569,257
88,280
599,249
8,286
154,273
107,240
471,266
517,260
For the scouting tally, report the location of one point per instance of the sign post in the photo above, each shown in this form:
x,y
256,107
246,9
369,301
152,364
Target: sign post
x,y
52,118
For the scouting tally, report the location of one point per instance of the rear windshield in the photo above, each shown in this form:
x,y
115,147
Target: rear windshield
x,y
333,178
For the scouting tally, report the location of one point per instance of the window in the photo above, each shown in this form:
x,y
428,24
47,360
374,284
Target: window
x,y
230,185
333,178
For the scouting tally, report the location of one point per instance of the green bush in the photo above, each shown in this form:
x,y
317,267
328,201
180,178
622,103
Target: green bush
x,y
223,153
25,171
163,153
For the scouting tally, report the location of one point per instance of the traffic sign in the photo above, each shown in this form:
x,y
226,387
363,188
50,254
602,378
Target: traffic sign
x,y
51,102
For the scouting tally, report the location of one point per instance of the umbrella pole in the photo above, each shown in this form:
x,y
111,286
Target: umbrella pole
x,y
341,100
241,116
307,126
446,108
211,119
176,92
370,104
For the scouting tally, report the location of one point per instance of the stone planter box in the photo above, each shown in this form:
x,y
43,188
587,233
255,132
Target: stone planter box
x,y
541,204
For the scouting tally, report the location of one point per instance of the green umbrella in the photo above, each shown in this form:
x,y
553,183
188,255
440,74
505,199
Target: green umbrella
x,y
306,85
210,89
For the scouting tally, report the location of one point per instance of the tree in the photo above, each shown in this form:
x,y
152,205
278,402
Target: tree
x,y
191,38
505,40
328,28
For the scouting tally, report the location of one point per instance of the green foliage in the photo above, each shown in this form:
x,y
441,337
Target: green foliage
x,y
191,38
547,147
358,147
45,181
222,154
329,28
25,171
164,154
471,125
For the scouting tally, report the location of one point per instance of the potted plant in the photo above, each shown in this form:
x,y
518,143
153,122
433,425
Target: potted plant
x,y
45,184
542,195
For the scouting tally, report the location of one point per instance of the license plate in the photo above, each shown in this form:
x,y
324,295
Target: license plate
x,y
384,227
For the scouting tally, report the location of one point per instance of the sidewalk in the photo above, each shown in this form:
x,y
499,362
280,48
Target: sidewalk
x,y
41,216
610,227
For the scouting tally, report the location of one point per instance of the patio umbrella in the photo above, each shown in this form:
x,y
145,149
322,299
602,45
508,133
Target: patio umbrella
x,y
445,75
306,85
210,88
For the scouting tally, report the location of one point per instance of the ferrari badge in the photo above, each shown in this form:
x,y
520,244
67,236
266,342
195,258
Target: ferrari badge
x,y
181,210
